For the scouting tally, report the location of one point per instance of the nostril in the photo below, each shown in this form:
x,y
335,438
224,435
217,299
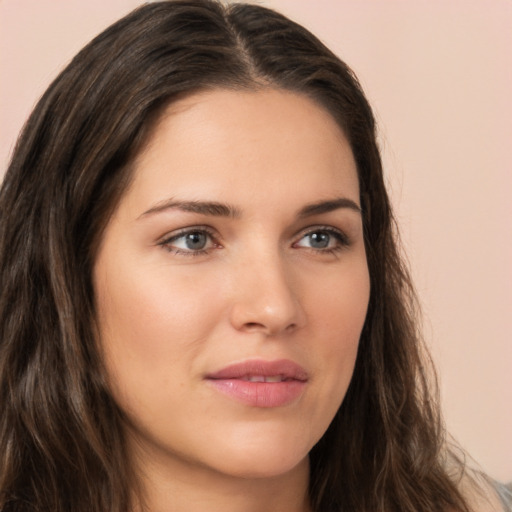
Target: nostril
x,y
253,325
269,313
256,326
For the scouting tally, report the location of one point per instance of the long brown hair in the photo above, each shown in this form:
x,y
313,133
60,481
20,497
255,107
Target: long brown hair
x,y
61,434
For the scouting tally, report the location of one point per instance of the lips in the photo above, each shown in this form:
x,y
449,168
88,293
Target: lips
x,y
260,383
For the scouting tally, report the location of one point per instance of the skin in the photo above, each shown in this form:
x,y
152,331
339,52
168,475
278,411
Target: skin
x,y
261,288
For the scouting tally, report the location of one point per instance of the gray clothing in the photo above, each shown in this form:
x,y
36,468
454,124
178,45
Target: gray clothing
x,y
505,493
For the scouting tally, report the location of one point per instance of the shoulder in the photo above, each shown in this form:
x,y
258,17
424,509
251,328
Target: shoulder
x,y
504,492
480,492
483,494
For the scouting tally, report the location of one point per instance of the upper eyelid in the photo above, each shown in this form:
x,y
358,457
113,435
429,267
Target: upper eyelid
x,y
321,227
213,232
166,242
183,231
215,238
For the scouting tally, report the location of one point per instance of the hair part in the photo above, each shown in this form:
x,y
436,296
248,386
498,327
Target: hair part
x,y
62,440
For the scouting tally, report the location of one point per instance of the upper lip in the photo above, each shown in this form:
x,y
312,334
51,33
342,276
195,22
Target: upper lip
x,y
258,367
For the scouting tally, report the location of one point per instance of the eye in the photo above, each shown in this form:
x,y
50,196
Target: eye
x,y
323,240
190,242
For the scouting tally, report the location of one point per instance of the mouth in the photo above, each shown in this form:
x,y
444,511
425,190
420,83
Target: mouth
x,y
262,378
259,383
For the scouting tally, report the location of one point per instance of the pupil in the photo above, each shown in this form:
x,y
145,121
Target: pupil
x,y
195,240
319,240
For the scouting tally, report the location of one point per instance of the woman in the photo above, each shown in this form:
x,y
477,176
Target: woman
x,y
203,306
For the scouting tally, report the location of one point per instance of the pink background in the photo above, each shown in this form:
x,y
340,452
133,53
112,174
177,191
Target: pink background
x,y
439,75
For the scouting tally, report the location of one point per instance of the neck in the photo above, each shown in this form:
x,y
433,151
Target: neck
x,y
194,488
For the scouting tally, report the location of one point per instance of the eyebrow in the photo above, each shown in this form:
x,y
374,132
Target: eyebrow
x,y
328,206
215,209
210,208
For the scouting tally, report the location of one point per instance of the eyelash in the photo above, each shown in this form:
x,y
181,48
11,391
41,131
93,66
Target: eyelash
x,y
342,239
166,243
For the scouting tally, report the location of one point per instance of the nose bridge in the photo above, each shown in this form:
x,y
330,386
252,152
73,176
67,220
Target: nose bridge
x,y
266,296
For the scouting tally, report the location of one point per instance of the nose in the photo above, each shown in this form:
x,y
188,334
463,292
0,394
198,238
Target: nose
x,y
266,298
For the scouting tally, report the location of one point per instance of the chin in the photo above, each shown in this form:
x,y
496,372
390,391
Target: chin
x,y
262,456
262,468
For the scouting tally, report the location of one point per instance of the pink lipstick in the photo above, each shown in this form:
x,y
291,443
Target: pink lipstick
x,y
260,383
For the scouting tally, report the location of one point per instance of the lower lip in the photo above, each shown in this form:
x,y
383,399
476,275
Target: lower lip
x,y
260,394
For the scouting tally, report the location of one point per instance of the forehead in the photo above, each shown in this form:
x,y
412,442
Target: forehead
x,y
235,144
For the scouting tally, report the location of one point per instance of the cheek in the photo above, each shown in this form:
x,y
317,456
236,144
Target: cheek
x,y
151,324
152,305
338,312
339,308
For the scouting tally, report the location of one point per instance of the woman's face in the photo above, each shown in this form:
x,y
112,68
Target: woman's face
x,y
232,285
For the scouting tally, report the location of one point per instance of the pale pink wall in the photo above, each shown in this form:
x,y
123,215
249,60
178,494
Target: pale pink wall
x,y
440,77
